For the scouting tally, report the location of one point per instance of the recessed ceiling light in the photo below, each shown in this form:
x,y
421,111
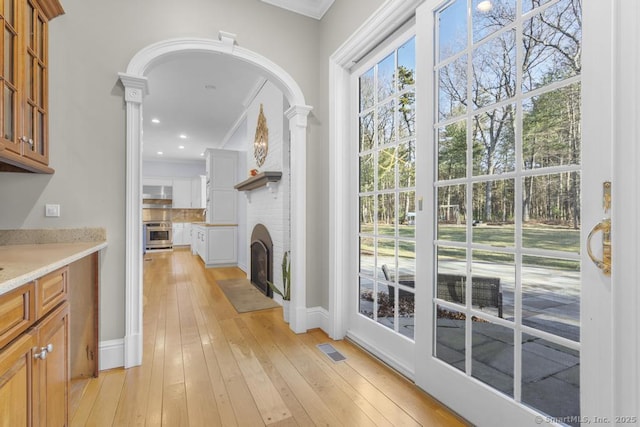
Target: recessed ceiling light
x,y
181,147
160,153
183,136
484,6
154,120
202,154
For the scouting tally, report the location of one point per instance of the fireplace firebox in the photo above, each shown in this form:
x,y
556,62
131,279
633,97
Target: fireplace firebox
x,y
262,259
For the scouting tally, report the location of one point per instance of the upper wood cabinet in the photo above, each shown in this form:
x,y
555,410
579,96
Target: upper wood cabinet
x,y
24,121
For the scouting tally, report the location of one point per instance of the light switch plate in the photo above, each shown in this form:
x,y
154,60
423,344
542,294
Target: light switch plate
x,y
51,210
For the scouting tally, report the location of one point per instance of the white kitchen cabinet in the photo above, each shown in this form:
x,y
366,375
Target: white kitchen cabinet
x,y
194,238
222,173
178,233
217,245
181,234
186,234
199,192
182,193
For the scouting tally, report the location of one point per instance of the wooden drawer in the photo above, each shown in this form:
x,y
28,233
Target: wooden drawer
x,y
51,290
17,312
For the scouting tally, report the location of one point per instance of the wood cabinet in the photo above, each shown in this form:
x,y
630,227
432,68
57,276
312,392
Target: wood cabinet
x,y
51,369
17,382
34,374
24,139
36,364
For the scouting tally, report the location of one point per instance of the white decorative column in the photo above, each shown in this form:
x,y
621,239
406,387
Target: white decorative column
x,y
297,116
135,88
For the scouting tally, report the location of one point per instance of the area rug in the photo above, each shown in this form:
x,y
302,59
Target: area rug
x,y
244,296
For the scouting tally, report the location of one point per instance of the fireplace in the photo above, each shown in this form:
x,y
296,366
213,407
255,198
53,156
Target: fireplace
x,y
261,259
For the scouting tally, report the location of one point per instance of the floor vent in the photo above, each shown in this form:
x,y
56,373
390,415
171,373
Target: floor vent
x,y
334,354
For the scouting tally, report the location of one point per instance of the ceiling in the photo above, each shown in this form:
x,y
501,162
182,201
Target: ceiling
x,y
311,8
198,100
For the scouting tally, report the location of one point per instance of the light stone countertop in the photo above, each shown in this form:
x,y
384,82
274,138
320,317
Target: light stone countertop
x,y
206,224
22,263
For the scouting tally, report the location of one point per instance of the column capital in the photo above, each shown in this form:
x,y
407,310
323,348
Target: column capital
x,y
297,114
135,87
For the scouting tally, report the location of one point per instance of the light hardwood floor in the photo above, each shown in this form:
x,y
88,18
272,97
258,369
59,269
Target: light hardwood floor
x,y
206,365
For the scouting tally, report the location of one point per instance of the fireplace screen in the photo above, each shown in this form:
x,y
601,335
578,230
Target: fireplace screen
x,y
260,267
261,259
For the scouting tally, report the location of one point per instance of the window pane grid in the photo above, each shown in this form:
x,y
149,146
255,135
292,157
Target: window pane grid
x,y
507,184
387,190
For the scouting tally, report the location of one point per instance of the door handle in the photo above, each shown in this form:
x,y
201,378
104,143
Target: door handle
x,y
603,264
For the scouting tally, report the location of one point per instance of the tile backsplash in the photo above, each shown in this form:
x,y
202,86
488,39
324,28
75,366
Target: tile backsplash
x,y
175,215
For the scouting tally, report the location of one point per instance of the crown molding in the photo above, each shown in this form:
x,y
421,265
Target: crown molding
x,y
311,8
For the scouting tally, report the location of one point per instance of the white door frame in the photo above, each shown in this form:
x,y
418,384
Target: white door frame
x,y
626,192
388,17
135,84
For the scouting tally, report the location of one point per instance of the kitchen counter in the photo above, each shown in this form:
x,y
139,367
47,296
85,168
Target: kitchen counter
x,y
206,224
20,264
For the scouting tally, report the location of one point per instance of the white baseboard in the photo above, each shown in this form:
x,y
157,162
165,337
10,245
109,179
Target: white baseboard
x,y
112,351
385,357
111,354
318,317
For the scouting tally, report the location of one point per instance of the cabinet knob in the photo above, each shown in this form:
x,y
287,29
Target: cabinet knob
x,y
26,140
42,354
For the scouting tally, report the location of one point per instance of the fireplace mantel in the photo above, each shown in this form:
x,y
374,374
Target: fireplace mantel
x,y
269,179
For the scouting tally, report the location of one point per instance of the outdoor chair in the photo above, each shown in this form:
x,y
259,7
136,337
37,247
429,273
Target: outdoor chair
x,y
486,291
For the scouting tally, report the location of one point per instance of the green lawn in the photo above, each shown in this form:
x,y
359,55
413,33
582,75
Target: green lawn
x,y
537,237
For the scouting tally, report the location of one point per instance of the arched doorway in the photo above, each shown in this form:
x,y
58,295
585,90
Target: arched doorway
x,y
135,84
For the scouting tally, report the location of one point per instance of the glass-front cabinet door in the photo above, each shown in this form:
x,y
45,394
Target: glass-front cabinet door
x,y
35,85
9,139
24,84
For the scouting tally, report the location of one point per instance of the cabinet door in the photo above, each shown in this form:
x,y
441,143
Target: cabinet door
x,y
16,383
178,234
198,192
17,312
51,290
186,233
202,244
223,169
182,193
222,245
51,366
35,118
9,106
224,207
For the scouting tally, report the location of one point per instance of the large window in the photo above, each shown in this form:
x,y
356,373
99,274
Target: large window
x,y
508,142
386,191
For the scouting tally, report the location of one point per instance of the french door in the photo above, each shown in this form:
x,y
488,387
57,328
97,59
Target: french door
x,y
383,305
473,275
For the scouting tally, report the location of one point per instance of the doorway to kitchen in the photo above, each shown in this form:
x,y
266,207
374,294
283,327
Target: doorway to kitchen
x,y
136,88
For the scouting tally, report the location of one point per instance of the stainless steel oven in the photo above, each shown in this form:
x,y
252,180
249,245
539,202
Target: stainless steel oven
x,y
158,234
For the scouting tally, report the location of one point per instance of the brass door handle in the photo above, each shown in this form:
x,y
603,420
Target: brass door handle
x,y
605,263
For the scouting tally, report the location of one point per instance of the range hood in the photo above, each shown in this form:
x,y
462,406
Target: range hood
x,y
157,192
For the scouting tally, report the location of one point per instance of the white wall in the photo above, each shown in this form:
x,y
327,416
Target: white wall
x,y
175,168
264,207
243,262
90,44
